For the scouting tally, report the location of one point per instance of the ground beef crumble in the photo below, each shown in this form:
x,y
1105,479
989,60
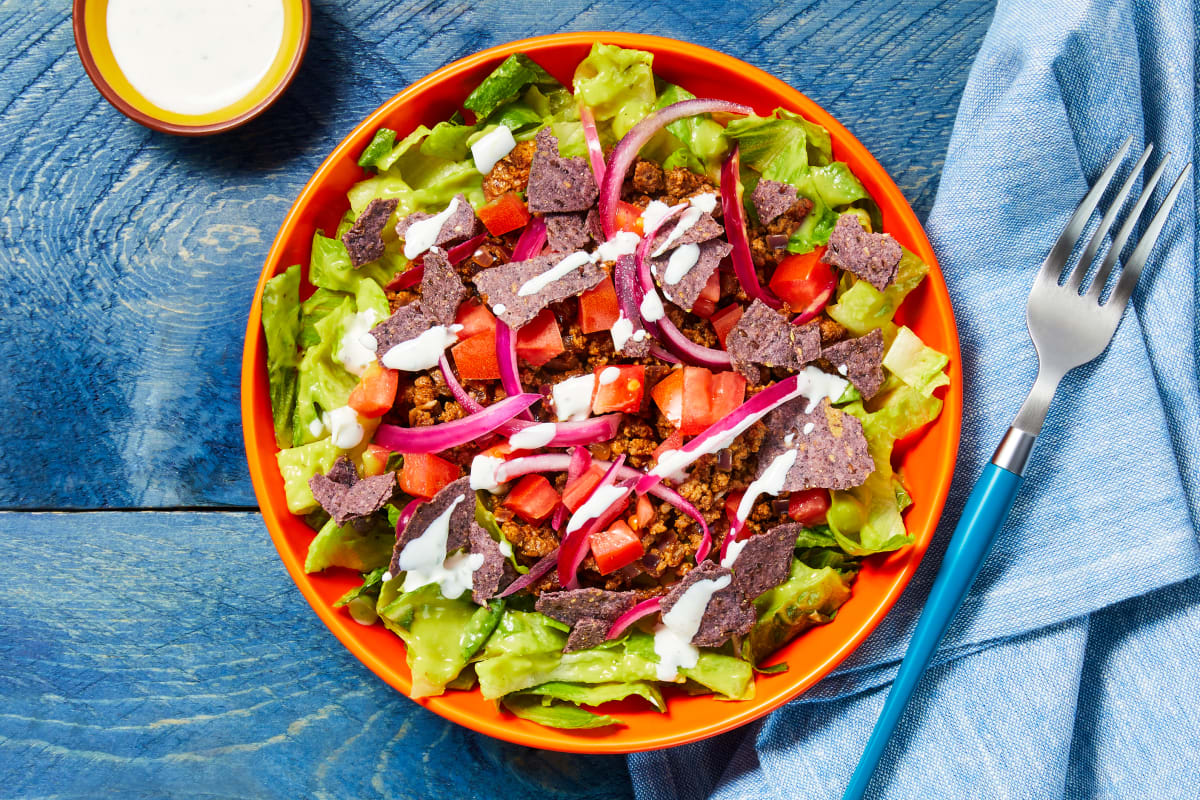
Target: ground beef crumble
x,y
511,173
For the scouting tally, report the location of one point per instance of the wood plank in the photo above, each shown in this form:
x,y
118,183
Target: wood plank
x,y
128,257
162,654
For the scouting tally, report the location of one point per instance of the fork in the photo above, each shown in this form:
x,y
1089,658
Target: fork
x,y
1069,328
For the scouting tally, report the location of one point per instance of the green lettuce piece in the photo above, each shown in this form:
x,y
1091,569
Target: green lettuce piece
x,y
448,140
330,268
319,304
599,693
544,711
481,627
682,157
808,597
347,546
297,465
506,83
861,307
324,383
487,521
504,674
618,85
702,137
774,146
729,677
379,147
899,410
817,536
439,634
919,366
520,633
281,327
837,185
369,588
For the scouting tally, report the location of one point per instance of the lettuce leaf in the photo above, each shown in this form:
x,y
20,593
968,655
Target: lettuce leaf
x,y
506,83
369,588
448,140
861,307
324,383
348,546
703,139
379,147
544,711
297,465
281,328
808,597
599,693
919,366
618,84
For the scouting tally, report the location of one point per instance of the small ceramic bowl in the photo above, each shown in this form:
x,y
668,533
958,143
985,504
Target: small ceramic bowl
x,y
90,19
927,460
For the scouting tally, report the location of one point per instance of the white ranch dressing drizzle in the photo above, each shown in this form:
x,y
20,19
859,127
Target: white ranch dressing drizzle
x,y
599,501
681,262
808,428
353,350
622,331
422,352
420,236
652,308
194,58
533,437
424,559
654,213
698,206
344,428
491,148
734,550
609,375
812,383
623,243
673,636
770,482
573,397
483,474
560,270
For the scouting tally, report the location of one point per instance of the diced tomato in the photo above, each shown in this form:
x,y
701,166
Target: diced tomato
x,y
575,492
804,281
598,308
668,396
710,295
616,547
728,392
506,213
539,340
533,499
424,474
643,517
672,442
475,358
375,460
622,394
475,318
376,391
809,507
629,218
724,320
697,401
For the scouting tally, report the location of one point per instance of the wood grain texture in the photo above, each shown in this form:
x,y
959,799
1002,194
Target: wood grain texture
x,y
128,257
160,654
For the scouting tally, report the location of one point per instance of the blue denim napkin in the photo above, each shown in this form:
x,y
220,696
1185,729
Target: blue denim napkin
x,y
1036,694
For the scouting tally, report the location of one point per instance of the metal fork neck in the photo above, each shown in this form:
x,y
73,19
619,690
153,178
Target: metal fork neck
x,y
1017,445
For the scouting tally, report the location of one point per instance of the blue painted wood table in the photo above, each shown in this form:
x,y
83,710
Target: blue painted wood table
x,y
151,643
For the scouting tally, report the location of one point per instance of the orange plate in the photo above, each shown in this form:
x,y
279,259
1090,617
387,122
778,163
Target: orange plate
x,y
928,462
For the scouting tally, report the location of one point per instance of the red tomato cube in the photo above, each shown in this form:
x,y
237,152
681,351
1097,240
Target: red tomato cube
x,y
539,340
616,547
424,474
476,359
622,392
598,307
533,499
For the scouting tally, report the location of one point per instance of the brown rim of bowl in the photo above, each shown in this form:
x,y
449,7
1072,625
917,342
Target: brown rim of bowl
x,y
119,103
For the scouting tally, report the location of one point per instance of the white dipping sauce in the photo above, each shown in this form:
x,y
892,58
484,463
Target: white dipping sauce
x,y
194,58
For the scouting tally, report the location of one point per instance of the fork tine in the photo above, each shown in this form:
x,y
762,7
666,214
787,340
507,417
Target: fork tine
x,y
1133,269
1114,252
1075,279
1057,258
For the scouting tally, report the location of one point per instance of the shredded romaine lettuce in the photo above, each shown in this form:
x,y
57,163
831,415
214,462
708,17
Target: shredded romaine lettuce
x,y
618,85
349,546
544,711
506,83
297,465
808,597
919,366
281,328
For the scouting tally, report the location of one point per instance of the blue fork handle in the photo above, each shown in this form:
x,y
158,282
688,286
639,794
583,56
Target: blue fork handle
x,y
985,512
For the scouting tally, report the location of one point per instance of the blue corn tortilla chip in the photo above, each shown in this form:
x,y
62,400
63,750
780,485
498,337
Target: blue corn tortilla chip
x,y
860,361
406,322
462,224
347,497
442,291
772,198
685,293
566,233
588,632
874,257
460,519
704,229
570,606
364,240
831,450
727,614
765,561
763,336
500,285
495,573
558,184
